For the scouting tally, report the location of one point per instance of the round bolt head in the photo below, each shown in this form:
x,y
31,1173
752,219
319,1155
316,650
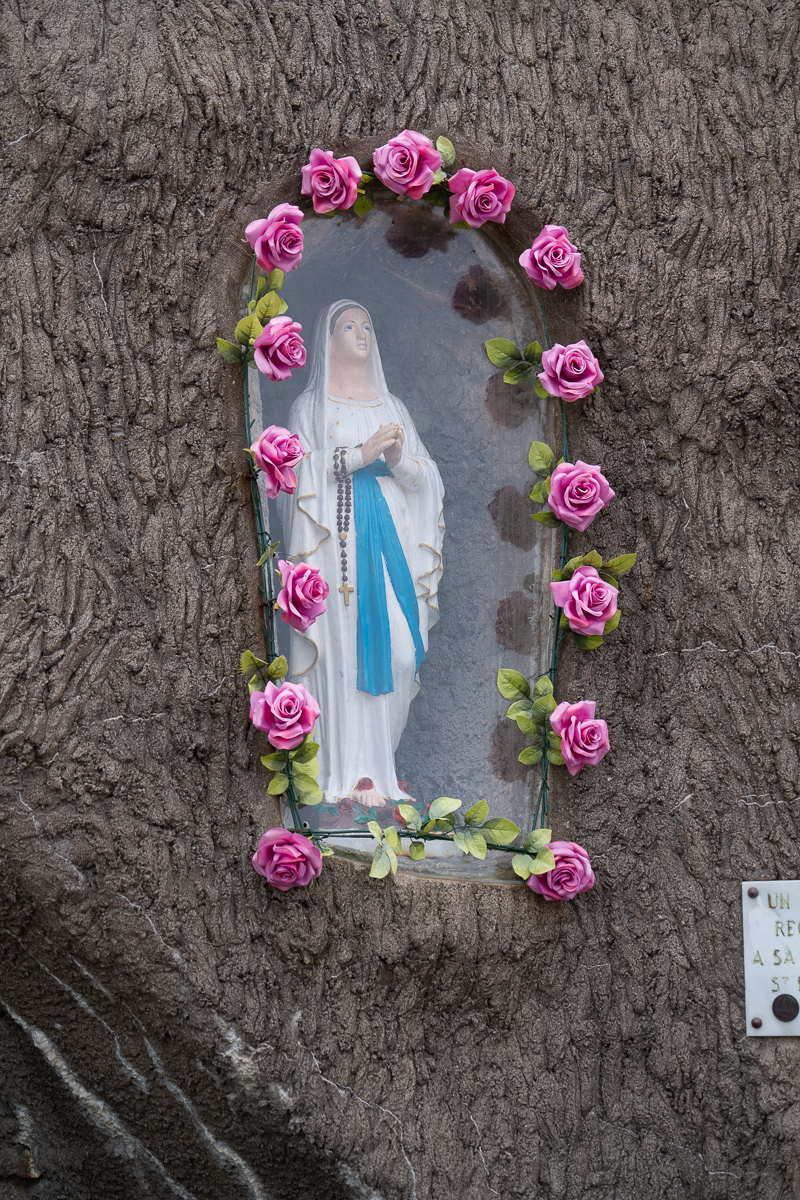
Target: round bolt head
x,y
756,1022
752,892
785,1007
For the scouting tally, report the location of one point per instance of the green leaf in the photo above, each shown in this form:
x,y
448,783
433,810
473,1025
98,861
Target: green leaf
x,y
542,707
620,565
442,806
375,830
538,494
392,837
526,725
530,756
270,306
392,858
572,566
548,519
461,225
556,576
554,740
261,287
517,373
410,815
477,814
278,785
428,827
248,663
310,768
541,459
445,824
511,685
324,850
592,559
612,623
447,151
536,839
522,864
381,864
250,306
554,757
587,643
533,352
502,353
363,205
543,686
276,761
499,831
248,327
545,861
228,351
520,708
604,575
540,392
460,839
308,790
476,844
438,177
417,850
278,668
305,752
563,622
274,281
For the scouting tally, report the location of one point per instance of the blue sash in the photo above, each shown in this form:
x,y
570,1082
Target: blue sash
x,y
377,542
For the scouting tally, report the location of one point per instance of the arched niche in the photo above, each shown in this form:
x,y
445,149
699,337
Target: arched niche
x,y
435,295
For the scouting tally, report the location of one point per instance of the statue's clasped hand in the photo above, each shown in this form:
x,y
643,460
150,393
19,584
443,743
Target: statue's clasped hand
x,y
388,441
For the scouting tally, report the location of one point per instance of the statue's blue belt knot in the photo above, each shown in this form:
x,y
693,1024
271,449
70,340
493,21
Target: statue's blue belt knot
x,y
377,543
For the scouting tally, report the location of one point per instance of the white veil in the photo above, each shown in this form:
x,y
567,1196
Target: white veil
x,y
309,516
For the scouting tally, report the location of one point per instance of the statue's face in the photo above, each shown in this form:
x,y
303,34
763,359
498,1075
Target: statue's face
x,y
351,340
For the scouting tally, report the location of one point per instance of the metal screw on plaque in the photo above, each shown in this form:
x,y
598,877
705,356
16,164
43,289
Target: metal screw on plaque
x,y
756,1022
752,892
785,1007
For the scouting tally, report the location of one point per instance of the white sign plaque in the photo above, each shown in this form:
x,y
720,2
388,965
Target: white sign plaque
x,y
771,926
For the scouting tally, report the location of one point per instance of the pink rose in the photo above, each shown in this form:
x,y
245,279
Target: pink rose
x,y
276,452
577,493
572,873
287,860
570,372
587,600
406,164
333,182
301,599
584,741
277,240
479,196
286,713
279,349
553,259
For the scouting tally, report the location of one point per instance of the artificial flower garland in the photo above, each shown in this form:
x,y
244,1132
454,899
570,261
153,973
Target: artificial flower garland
x,y
584,589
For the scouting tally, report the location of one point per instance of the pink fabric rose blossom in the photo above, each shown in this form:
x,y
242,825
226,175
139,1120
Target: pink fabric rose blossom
x,y
287,860
406,164
479,196
277,239
572,873
332,182
587,600
276,452
577,494
303,594
279,349
570,372
584,740
286,713
552,259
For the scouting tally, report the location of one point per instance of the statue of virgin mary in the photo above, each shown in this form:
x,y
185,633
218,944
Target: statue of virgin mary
x,y
368,513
